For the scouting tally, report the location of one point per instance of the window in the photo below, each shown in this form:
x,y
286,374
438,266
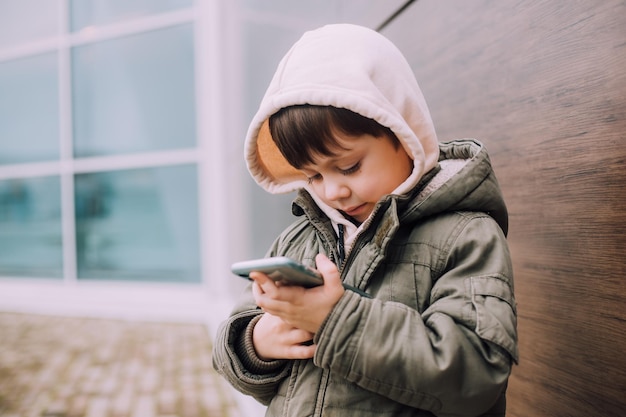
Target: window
x,y
99,154
134,93
88,13
147,101
30,227
138,224
29,109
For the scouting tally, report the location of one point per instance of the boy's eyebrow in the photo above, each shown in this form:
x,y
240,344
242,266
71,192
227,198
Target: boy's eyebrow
x,y
333,159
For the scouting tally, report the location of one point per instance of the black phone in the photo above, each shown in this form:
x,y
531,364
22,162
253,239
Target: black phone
x,y
280,269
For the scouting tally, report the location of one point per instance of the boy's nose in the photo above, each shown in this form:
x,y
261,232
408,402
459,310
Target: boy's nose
x,y
335,190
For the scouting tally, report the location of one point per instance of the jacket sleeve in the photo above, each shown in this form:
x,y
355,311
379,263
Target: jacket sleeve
x,y
453,359
235,359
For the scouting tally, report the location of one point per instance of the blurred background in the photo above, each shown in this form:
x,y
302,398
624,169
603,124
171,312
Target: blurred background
x,y
123,191
121,142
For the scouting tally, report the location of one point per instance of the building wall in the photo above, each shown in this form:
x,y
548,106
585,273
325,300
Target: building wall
x,y
542,84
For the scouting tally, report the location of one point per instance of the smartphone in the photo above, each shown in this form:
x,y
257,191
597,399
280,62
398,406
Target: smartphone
x,y
280,269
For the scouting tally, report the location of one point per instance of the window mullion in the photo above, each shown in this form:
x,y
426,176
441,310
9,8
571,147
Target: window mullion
x,y
68,219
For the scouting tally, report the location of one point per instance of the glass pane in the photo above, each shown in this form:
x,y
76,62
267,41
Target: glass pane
x,y
27,20
99,12
135,94
138,225
30,228
29,109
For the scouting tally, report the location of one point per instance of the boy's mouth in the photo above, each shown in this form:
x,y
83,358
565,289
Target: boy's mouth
x,y
353,211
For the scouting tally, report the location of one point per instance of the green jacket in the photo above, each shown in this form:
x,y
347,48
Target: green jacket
x,y
438,337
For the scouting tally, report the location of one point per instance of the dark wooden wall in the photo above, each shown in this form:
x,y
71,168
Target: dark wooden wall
x,y
543,84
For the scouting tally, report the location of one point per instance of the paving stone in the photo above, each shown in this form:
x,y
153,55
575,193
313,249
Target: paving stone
x,y
56,408
122,404
167,401
108,385
78,405
83,367
149,380
98,407
145,407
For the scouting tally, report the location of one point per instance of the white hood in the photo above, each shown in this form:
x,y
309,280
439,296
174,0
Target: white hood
x,y
350,67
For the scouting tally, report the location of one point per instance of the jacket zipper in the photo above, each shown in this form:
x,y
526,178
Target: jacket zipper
x,y
341,248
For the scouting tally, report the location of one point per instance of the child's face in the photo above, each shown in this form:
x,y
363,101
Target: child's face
x,y
355,178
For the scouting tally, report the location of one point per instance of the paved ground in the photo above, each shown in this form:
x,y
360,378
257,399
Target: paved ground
x,y
80,367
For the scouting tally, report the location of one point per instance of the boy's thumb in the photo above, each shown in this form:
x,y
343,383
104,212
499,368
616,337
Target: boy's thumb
x,y
327,268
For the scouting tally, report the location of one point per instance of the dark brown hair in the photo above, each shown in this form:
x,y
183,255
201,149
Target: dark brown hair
x,y
301,132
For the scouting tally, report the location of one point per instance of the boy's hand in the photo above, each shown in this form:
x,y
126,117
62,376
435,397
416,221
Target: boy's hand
x,y
275,339
302,308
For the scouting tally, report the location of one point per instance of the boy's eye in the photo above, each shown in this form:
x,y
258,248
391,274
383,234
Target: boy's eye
x,y
314,178
354,168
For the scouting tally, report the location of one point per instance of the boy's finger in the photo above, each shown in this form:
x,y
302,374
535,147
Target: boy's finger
x,y
266,284
323,263
257,291
326,267
259,277
301,351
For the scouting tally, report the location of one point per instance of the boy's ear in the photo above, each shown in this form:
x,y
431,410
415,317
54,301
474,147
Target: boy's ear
x,y
272,161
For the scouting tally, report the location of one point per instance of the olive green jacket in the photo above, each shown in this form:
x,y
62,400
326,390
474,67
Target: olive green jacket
x,y
438,337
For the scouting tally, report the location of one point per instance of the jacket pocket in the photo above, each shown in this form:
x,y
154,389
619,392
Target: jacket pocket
x,y
496,315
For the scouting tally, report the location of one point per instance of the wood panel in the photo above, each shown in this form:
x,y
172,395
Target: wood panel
x,y
543,85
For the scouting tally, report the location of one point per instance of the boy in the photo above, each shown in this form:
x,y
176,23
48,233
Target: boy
x,y
383,207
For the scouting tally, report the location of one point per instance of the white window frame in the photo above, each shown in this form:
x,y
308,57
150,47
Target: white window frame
x,y
206,302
